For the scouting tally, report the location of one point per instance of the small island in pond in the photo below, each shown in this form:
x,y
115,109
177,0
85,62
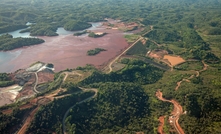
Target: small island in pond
x,y
96,35
95,51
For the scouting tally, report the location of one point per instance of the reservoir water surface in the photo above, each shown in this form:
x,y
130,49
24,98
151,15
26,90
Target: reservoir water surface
x,y
64,51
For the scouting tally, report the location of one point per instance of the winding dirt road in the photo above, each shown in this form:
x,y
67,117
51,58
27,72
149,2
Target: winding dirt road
x,y
36,76
67,112
177,108
68,73
177,111
50,97
205,66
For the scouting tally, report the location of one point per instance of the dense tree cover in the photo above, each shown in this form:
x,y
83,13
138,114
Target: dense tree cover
x,y
214,31
50,116
203,109
42,29
8,28
113,111
152,12
164,35
149,44
136,71
95,51
9,122
5,80
70,88
76,25
4,77
7,42
188,39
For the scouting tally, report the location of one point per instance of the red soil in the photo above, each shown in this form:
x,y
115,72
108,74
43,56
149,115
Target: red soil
x,y
159,54
44,77
177,111
161,124
28,121
28,87
174,60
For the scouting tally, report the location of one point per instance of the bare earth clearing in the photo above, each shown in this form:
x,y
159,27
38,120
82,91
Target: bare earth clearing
x,y
9,94
43,100
174,60
28,80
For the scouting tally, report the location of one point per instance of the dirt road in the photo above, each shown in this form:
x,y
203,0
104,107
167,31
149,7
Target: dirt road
x,y
160,127
110,64
67,112
36,75
68,73
36,101
115,59
177,111
205,66
27,121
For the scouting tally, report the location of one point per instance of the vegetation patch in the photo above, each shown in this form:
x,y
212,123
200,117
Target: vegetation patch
x,y
124,103
76,25
131,38
5,80
136,71
214,31
80,33
163,35
42,29
137,49
96,35
50,116
95,51
190,65
7,42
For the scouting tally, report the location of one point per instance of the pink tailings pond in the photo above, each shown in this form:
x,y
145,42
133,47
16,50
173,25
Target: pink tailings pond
x,y
65,51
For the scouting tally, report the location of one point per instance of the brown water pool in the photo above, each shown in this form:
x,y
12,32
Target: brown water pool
x,y
66,51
